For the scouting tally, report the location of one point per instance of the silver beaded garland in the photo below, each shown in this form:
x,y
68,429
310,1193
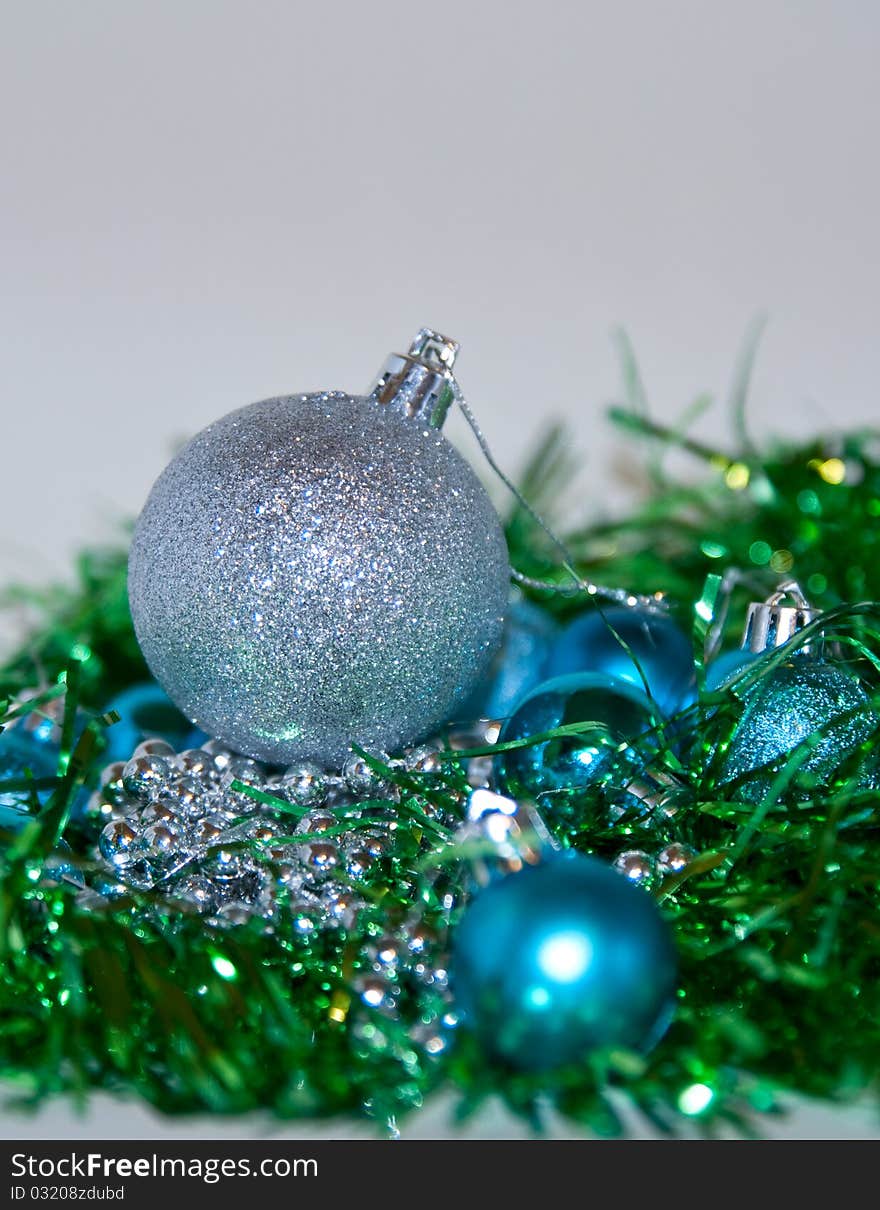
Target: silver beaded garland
x,y
119,843
636,866
410,958
177,824
361,778
674,858
304,785
644,869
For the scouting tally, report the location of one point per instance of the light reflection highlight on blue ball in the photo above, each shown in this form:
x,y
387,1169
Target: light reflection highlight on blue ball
x,y
565,956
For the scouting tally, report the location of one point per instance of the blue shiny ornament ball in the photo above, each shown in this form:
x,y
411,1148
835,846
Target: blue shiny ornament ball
x,y
663,652
31,747
788,706
27,750
519,664
561,959
618,712
147,712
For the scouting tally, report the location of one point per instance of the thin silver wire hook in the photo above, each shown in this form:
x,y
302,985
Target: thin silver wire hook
x,y
579,584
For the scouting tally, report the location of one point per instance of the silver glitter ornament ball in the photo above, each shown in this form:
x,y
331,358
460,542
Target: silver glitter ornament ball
x,y
319,570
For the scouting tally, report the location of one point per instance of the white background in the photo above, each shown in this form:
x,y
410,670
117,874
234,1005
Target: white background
x,y
204,202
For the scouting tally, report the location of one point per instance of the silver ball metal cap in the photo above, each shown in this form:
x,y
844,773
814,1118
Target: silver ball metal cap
x,y
420,383
772,622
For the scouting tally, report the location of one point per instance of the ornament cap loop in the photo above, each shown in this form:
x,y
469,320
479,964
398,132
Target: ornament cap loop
x,y
771,623
419,383
432,349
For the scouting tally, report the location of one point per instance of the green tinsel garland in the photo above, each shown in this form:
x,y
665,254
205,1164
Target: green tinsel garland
x,y
776,920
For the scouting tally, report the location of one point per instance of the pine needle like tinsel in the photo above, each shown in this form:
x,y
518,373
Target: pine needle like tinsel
x,y
775,920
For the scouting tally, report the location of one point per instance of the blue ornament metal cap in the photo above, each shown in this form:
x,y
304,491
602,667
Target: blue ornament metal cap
x,y
772,622
658,791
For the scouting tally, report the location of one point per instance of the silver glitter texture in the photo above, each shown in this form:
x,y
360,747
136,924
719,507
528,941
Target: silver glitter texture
x,y
315,571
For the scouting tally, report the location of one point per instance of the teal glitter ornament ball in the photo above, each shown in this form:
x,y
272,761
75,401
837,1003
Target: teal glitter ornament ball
x,y
784,709
727,666
561,959
565,765
654,653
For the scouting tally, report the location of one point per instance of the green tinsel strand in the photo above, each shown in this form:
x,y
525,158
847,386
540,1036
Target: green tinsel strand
x,y
775,919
